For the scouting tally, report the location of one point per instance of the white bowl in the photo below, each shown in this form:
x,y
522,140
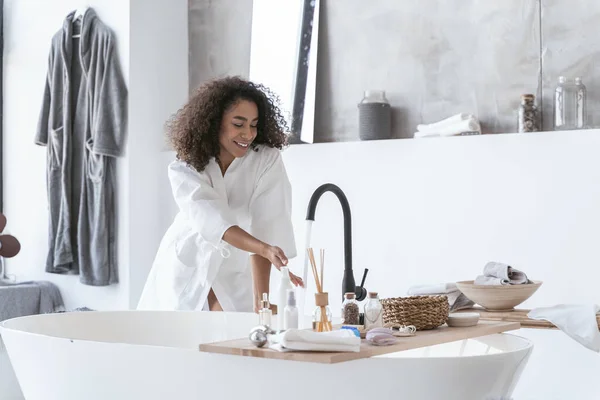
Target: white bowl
x,y
463,319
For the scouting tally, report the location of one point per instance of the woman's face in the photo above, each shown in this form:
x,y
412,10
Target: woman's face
x,y
238,128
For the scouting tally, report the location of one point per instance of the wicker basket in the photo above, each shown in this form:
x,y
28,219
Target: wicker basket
x,y
424,312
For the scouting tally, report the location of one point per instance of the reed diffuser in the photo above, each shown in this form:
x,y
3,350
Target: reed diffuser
x,y
322,314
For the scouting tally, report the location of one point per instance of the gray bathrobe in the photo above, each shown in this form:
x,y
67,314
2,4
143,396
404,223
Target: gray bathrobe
x,y
82,123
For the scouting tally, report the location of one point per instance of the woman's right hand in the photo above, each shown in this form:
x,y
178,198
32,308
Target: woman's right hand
x,y
278,258
275,255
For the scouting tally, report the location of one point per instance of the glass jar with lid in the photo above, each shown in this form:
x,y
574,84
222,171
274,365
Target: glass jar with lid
x,y
373,312
350,309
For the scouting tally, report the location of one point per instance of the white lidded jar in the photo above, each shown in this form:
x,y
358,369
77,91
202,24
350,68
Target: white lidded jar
x,y
373,312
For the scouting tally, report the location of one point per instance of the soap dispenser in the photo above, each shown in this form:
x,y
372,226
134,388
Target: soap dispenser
x,y
290,313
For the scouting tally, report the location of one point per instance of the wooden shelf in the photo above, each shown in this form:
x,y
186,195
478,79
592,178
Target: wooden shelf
x,y
443,334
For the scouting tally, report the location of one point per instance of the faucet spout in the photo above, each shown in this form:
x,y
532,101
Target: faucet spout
x,y
348,282
312,208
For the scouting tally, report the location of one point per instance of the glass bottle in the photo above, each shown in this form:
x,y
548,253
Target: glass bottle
x,y
322,313
581,103
265,313
528,114
350,309
373,312
374,116
565,105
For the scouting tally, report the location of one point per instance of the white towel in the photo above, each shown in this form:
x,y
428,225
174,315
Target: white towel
x,y
456,125
450,121
505,272
439,288
304,340
456,299
490,280
577,321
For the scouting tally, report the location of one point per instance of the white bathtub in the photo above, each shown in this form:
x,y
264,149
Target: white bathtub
x,y
154,355
9,388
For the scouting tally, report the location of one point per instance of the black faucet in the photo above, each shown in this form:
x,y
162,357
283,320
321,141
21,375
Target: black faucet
x,y
348,283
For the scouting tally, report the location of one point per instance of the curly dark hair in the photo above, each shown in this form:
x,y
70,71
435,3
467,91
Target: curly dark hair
x,y
193,131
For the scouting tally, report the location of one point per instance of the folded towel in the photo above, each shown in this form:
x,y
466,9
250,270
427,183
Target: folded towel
x,y
456,299
439,288
29,298
490,280
456,125
450,121
505,272
422,135
51,300
303,340
577,321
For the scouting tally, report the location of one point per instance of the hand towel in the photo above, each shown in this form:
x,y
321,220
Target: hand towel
x,y
304,340
453,120
423,135
490,280
470,126
505,272
436,288
456,299
577,321
455,125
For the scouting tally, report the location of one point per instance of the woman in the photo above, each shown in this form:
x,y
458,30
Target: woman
x,y
234,201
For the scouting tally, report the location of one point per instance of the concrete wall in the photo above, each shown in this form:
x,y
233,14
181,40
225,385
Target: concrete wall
x,y
433,58
219,39
570,47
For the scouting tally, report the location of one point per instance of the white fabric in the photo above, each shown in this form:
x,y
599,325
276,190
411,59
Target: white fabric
x,y
342,340
490,280
454,125
456,299
453,120
577,321
439,288
495,273
254,194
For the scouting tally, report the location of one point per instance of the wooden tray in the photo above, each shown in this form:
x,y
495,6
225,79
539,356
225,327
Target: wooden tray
x,y
443,334
517,315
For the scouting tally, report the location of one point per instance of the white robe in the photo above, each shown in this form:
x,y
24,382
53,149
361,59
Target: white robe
x,y
254,194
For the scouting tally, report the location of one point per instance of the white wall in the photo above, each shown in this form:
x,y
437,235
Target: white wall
x,y
29,27
436,210
152,42
159,86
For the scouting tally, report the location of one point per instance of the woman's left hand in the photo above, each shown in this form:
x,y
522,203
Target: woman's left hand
x,y
296,280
